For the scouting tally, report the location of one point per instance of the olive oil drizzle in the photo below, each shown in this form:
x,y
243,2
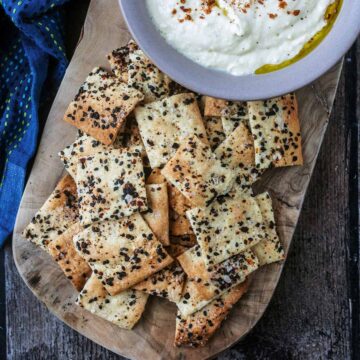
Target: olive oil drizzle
x,y
330,17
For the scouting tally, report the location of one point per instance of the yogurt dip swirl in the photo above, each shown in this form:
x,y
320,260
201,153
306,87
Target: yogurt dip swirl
x,y
239,36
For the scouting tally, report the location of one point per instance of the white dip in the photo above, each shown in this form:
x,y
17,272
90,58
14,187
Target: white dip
x,y
238,36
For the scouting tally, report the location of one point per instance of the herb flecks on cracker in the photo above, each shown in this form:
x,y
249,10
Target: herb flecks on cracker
x,y
237,153
123,310
227,227
165,124
157,214
167,283
268,250
121,253
197,173
59,212
102,105
196,329
206,284
110,185
275,128
62,249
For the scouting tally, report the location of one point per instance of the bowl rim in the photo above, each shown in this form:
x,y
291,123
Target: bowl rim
x,y
219,84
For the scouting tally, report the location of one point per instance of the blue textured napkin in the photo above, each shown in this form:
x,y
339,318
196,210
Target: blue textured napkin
x,y
31,52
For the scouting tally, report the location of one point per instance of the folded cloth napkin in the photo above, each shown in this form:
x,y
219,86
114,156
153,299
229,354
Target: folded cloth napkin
x,y
31,52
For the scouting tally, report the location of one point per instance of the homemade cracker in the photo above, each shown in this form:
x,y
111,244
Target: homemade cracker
x,y
175,250
119,60
121,253
234,114
155,177
135,68
197,172
110,185
184,240
63,251
204,285
196,329
179,224
177,201
144,76
167,283
84,145
59,212
102,105
210,281
214,106
130,136
214,130
237,152
157,214
275,128
227,227
164,124
123,310
270,249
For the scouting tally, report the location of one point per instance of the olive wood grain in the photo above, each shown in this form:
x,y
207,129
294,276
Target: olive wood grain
x,y
153,337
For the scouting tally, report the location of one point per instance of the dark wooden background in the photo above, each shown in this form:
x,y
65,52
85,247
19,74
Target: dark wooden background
x,y
315,312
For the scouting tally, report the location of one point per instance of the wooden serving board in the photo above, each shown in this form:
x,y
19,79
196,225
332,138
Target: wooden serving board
x,y
152,338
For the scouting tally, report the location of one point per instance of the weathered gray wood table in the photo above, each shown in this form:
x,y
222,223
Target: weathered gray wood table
x,y
315,311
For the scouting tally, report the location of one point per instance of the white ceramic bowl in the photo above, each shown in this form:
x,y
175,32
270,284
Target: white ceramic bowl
x,y
249,87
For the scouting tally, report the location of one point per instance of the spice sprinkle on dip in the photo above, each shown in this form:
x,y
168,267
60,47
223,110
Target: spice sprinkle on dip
x,y
244,37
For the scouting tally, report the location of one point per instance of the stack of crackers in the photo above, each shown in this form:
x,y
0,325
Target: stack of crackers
x,y
158,200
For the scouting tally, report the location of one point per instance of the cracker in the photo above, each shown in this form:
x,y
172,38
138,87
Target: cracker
x,y
123,310
134,67
119,60
214,106
204,285
177,201
201,102
217,278
84,145
155,177
130,136
179,225
237,152
214,130
63,251
121,253
234,114
176,250
270,249
111,185
184,240
196,329
167,283
227,227
197,173
157,214
247,176
59,212
276,131
164,124
102,105
144,76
